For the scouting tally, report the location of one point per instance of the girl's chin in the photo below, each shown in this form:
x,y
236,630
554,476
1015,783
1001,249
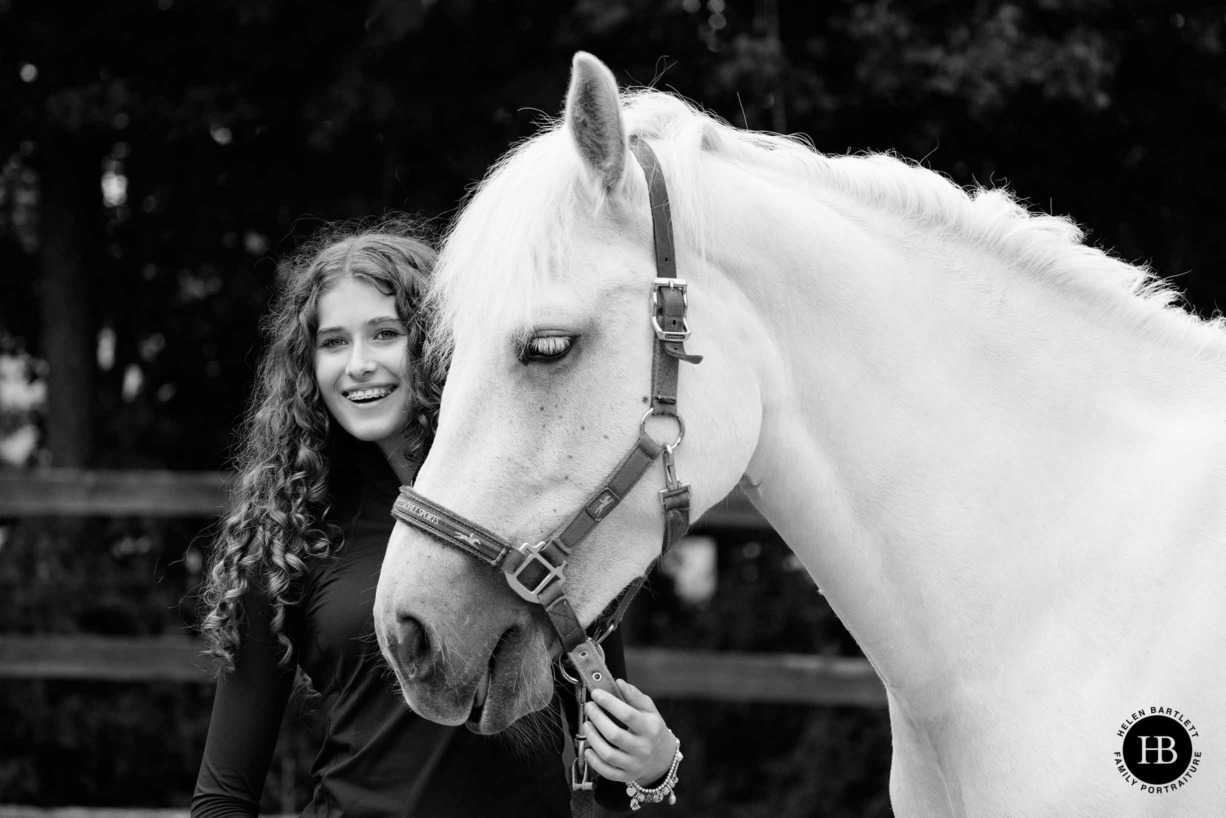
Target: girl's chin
x,y
373,430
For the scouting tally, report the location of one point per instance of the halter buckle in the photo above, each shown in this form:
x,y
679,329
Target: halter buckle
x,y
541,573
670,336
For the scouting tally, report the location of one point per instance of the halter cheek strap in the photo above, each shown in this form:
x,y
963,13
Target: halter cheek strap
x,y
537,572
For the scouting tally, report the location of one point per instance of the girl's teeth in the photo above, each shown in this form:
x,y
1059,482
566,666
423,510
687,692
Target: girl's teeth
x,y
368,394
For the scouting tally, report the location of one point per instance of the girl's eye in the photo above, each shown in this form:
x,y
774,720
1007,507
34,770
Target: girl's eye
x,y
546,348
330,343
387,334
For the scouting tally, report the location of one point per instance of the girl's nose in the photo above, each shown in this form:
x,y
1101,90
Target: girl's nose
x,y
359,364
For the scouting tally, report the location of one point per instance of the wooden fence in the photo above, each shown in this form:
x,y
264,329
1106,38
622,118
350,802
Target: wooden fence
x,y
666,672
97,493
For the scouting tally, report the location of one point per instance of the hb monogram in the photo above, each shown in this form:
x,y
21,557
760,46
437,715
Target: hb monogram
x,y
1164,745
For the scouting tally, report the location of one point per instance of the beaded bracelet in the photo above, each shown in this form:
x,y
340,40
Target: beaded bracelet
x,y
641,795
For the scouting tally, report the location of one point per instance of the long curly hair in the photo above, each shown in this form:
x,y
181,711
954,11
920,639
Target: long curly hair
x,y
274,524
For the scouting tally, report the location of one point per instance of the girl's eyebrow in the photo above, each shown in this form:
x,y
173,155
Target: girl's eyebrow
x,y
381,319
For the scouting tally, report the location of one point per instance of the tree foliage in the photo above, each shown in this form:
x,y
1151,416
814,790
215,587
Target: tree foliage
x,y
228,131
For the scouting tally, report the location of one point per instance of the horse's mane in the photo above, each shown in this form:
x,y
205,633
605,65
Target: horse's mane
x,y
513,233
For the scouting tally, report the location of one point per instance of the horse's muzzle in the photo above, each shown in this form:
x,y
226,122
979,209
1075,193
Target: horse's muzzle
x,y
416,658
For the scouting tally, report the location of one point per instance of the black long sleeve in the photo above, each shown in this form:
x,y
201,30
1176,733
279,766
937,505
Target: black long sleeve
x,y
247,711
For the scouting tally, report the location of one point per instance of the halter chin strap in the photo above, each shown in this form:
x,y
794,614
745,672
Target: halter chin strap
x,y
537,572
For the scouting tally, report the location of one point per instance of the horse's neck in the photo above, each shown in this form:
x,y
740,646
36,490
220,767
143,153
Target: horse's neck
x,y
956,455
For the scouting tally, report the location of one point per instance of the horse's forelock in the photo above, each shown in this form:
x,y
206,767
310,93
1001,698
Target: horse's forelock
x,y
515,231
514,227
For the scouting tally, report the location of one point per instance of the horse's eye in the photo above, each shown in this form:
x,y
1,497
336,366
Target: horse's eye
x,y
546,348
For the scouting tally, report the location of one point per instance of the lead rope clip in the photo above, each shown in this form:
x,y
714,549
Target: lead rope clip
x,y
671,483
580,770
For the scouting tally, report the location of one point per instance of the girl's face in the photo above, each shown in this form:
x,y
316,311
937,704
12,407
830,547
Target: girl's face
x,y
361,355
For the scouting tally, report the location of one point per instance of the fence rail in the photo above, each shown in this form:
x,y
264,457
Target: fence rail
x,y
154,493
22,811
781,678
84,492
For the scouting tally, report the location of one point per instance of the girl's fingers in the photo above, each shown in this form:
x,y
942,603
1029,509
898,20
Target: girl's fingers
x,y
636,697
620,710
605,770
608,753
608,729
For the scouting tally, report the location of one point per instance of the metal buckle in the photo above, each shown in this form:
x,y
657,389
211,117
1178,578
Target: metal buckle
x,y
581,774
580,771
661,333
532,554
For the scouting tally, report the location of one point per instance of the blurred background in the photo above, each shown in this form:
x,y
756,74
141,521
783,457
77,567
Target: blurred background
x,y
158,158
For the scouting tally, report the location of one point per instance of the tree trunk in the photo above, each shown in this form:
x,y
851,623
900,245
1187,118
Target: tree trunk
x,y
70,211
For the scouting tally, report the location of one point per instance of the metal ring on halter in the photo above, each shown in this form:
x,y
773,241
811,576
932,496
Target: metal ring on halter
x,y
604,634
680,427
562,664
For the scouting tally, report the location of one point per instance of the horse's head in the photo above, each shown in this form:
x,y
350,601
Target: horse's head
x,y
542,297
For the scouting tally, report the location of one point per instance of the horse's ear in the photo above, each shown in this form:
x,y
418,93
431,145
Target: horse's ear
x,y
594,117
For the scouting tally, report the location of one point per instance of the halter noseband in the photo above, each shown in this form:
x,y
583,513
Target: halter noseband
x,y
537,572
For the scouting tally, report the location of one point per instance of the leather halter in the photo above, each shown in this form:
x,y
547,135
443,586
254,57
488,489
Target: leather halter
x,y
537,572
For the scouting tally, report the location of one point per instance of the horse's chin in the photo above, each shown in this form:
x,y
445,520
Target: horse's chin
x,y
511,693
449,701
452,708
488,720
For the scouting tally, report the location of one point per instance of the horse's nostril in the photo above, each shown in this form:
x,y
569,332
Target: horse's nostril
x,y
414,644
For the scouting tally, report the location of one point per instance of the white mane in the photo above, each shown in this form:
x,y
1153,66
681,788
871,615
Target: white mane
x,y
514,232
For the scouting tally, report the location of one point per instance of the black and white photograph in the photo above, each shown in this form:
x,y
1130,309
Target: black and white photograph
x,y
578,408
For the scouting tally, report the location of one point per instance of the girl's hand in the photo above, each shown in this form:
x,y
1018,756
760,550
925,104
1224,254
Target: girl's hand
x,y
642,751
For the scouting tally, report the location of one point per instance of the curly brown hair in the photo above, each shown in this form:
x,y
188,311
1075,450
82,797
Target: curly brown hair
x,y
274,525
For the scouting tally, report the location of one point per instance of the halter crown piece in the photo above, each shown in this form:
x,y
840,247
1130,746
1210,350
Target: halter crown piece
x,y
537,571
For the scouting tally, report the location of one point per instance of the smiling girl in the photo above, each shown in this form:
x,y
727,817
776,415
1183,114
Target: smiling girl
x,y
361,360
343,413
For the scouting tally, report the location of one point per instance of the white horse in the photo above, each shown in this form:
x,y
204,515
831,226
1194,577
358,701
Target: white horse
x,y
1000,453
